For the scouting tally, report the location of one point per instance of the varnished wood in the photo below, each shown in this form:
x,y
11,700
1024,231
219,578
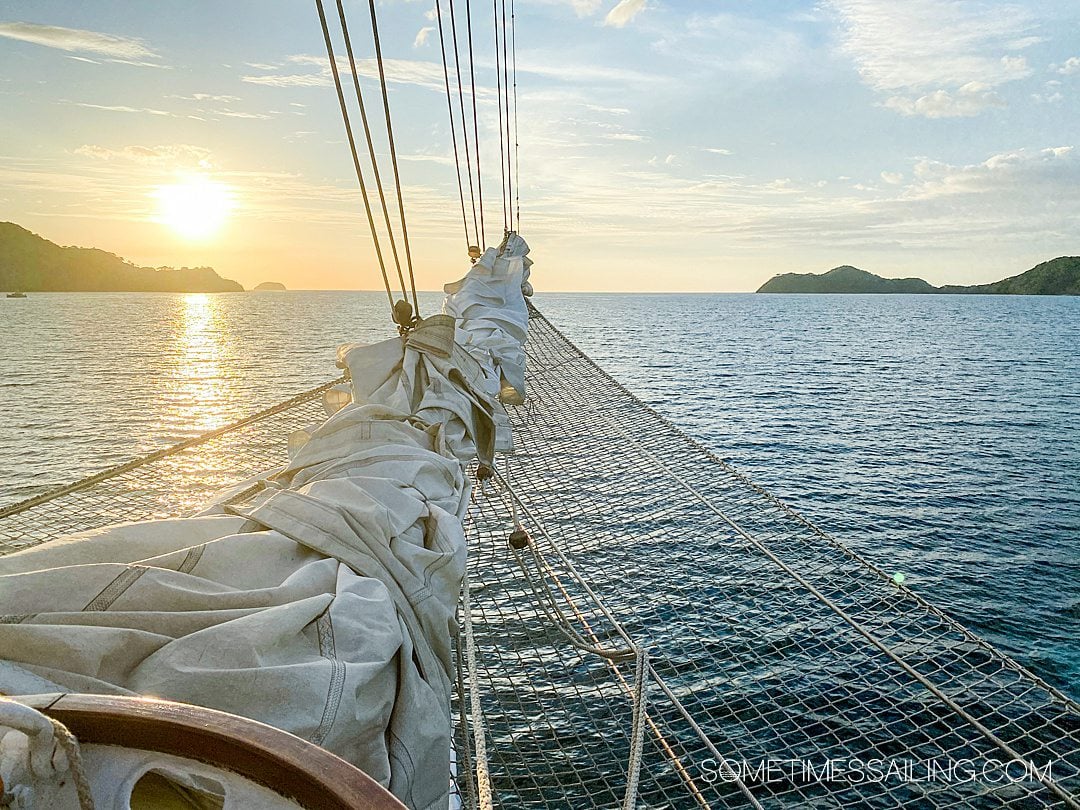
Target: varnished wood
x,y
306,773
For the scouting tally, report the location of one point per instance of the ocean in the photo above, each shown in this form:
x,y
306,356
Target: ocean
x,y
939,436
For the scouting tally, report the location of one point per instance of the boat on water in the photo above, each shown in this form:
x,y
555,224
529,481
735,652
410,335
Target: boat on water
x,y
477,571
16,295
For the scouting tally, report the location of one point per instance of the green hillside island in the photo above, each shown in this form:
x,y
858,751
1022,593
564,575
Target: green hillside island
x,y
29,263
1059,276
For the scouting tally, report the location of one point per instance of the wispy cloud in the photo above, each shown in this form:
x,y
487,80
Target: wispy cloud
x,y
625,136
122,108
171,155
126,49
937,59
401,71
1070,67
208,97
624,12
422,36
718,151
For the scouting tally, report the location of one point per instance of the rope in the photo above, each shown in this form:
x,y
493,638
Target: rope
x,y
352,149
370,144
476,120
483,777
477,229
517,145
499,105
70,747
393,154
463,722
453,129
506,104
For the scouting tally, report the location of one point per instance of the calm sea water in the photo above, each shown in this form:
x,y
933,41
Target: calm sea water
x,y
938,435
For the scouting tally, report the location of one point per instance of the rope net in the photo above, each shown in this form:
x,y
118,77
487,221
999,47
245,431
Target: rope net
x,y
783,670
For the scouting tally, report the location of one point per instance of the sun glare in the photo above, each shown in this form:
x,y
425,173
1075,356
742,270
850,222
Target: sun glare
x,y
195,207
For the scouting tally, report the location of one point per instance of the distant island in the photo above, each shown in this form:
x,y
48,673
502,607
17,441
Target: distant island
x,y
275,286
1059,276
30,263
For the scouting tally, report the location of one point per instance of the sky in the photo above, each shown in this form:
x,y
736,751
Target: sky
x,y
663,146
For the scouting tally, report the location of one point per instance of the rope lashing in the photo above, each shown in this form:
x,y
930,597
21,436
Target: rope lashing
x,y
70,746
50,752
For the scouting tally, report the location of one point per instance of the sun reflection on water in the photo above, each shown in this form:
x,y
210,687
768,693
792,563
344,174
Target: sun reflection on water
x,y
197,389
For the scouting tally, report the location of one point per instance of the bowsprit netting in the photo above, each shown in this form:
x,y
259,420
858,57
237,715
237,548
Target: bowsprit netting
x,y
767,639
171,482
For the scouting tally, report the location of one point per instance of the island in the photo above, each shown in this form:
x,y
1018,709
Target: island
x,y
31,263
1060,276
274,286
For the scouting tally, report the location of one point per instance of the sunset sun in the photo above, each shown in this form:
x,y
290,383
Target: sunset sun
x,y
195,207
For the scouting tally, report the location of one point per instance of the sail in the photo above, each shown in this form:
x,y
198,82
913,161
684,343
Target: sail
x,y
325,605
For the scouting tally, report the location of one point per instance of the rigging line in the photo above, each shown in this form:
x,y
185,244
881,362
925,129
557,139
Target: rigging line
x,y
499,104
370,145
506,103
517,145
453,128
393,154
464,126
475,122
352,148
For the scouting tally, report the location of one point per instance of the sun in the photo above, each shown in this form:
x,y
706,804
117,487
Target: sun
x,y
195,207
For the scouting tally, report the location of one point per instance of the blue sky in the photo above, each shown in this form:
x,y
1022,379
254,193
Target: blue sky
x,y
664,145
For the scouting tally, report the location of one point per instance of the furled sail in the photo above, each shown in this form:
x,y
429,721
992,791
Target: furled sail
x,y
325,606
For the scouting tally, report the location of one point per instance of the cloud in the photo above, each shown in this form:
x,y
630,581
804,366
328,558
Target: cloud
x,y
749,47
207,97
122,108
892,178
179,154
624,12
1071,66
717,151
624,136
600,108
969,100
76,40
422,36
401,71
1051,93
937,59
